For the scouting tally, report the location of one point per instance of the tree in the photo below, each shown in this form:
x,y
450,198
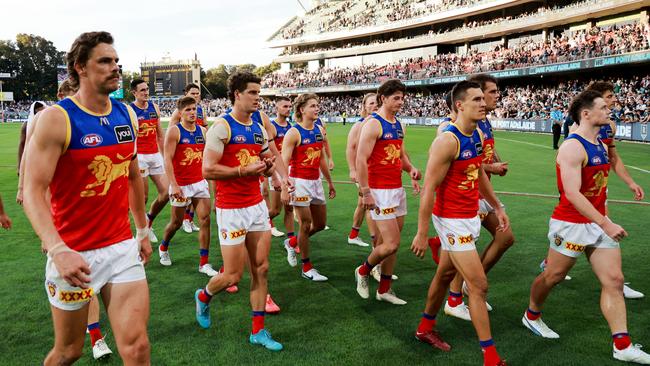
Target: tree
x,y
262,71
127,77
37,61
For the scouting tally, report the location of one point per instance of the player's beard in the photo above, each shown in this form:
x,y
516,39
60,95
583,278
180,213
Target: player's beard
x,y
107,87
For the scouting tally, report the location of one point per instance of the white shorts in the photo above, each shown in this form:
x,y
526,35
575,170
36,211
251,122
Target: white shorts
x,y
199,189
151,164
457,235
117,263
307,192
391,203
571,239
235,223
484,208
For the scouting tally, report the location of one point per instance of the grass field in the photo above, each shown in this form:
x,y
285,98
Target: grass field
x,y
328,323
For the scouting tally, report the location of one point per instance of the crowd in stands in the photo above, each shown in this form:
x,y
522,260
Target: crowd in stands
x,y
582,44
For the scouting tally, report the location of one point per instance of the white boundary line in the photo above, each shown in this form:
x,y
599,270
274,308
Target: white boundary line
x,y
639,169
524,142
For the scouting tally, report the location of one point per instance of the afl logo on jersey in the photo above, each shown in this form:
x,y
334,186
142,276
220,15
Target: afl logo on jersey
x,y
306,141
596,160
240,139
467,154
388,136
185,141
91,139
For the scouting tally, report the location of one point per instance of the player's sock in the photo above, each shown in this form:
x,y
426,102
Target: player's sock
x,y
95,333
434,244
191,214
164,245
293,241
271,222
427,323
365,268
454,299
205,296
290,235
384,283
533,315
354,233
306,265
187,215
151,218
203,253
621,340
258,321
221,269
490,355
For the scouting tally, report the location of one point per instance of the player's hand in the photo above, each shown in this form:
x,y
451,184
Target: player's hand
x,y
416,187
270,165
177,193
331,164
368,201
285,197
289,184
500,168
332,192
353,176
5,221
72,267
145,249
415,174
419,245
19,196
257,168
613,230
638,191
504,220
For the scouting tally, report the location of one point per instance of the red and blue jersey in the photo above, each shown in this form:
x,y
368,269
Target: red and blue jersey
x,y
488,141
385,161
595,173
606,134
280,132
244,146
457,196
188,157
201,118
305,160
148,119
90,186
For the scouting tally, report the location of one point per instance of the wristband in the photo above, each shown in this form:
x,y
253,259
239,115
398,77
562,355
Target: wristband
x,y
141,234
59,248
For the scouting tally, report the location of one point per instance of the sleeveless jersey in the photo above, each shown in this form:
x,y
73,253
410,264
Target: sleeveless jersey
x,y
606,135
385,162
280,132
188,158
201,119
90,186
305,160
147,128
488,141
457,196
595,172
243,148
319,123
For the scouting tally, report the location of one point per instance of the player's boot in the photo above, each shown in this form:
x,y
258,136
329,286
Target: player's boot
x,y
187,227
276,233
357,241
271,307
263,337
313,275
632,353
291,253
165,260
194,227
630,293
538,327
101,350
389,296
152,236
460,311
202,311
433,338
208,270
362,284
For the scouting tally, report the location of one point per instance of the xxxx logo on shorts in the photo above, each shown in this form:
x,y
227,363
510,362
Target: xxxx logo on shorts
x,y
237,234
466,239
451,239
558,240
388,211
575,247
301,199
76,296
51,288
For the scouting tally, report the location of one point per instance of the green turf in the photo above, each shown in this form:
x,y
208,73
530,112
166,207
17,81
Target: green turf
x,y
327,323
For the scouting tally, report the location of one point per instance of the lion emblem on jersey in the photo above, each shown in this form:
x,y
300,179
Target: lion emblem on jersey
x,y
471,178
488,153
392,154
191,156
245,158
146,129
600,183
311,156
106,172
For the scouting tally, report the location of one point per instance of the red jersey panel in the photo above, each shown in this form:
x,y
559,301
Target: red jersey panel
x,y
305,160
385,162
201,119
595,174
147,128
243,148
280,132
457,196
488,141
90,186
606,134
188,158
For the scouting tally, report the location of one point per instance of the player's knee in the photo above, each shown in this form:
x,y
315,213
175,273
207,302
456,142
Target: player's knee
x,y
234,277
163,196
508,240
478,286
262,269
204,220
615,279
305,224
553,277
176,223
136,350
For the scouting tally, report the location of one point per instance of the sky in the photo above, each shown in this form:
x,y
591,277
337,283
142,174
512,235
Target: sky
x,y
220,32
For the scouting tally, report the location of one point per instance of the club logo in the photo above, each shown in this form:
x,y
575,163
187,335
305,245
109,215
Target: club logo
x,y
51,288
224,234
451,239
557,240
91,139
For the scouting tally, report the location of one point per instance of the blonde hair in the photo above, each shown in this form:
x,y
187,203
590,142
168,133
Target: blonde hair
x,y
66,88
300,102
363,111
